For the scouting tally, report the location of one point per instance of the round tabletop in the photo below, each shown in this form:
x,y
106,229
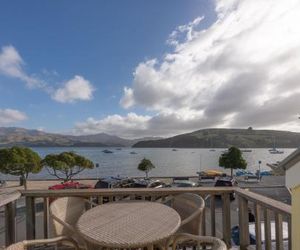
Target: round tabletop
x,y
128,224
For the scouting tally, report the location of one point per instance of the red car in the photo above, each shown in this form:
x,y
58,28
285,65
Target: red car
x,y
70,185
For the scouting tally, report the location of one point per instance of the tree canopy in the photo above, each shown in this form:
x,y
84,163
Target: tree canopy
x,y
232,159
19,161
66,165
145,165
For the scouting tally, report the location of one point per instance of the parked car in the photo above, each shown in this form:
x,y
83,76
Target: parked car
x,y
108,182
157,184
116,182
226,182
184,183
70,185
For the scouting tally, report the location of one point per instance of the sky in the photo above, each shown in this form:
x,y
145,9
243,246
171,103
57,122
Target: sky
x,y
149,68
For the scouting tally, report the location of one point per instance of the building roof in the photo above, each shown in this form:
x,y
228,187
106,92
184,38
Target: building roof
x,y
290,160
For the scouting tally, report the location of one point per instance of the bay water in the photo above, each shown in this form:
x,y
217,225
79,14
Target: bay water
x,y
168,162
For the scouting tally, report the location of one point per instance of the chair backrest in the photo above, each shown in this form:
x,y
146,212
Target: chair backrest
x,y
16,246
187,205
67,210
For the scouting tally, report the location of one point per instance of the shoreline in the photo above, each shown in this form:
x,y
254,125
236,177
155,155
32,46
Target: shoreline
x,y
276,181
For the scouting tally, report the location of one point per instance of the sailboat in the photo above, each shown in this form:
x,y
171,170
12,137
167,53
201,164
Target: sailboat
x,y
274,150
211,149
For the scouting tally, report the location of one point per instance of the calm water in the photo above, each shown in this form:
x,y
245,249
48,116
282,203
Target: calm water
x,y
167,162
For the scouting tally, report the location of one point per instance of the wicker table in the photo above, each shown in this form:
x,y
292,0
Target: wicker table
x,y
128,224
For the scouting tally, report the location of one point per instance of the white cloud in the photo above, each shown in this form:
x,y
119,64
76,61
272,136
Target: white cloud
x,y
11,116
11,64
241,71
127,126
127,100
73,90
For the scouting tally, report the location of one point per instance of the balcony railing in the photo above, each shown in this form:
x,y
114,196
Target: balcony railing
x,y
219,216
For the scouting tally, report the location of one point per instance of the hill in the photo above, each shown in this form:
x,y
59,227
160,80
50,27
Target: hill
x,y
10,136
224,138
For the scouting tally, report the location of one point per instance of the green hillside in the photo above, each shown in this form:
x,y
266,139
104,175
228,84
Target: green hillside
x,y
224,138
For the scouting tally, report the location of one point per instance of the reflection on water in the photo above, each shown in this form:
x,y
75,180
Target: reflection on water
x,y
168,162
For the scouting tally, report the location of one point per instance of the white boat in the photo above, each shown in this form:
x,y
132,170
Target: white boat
x,y
274,150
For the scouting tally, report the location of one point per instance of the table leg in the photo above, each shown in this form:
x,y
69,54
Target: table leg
x,y
150,247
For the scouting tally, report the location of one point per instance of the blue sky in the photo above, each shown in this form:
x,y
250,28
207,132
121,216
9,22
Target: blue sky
x,y
148,68
103,41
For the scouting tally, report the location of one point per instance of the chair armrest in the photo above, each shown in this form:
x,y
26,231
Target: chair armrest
x,y
91,203
51,241
214,242
168,199
63,223
192,216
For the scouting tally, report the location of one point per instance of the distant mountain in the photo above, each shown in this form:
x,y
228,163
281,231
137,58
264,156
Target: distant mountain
x,y
10,136
111,140
20,136
224,138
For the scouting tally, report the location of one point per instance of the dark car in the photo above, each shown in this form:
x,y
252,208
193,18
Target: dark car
x,y
108,182
226,182
157,184
184,183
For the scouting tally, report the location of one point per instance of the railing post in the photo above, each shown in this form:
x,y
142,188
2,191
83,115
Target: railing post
x,y
10,223
278,231
213,215
203,226
243,223
257,213
289,221
46,217
267,224
226,219
30,218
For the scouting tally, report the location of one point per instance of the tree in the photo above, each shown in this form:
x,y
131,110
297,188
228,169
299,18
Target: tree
x,y
232,159
66,165
19,161
145,166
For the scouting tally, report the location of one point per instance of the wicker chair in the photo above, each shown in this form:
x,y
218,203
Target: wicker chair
x,y
198,242
26,244
64,213
190,208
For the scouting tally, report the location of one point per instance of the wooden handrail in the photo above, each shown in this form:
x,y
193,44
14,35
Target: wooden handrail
x,y
127,191
7,196
264,201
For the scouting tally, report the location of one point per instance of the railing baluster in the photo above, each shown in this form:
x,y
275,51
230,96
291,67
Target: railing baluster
x,y
226,219
46,217
204,222
267,224
257,213
213,215
100,200
289,232
30,218
243,223
10,223
111,198
278,231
